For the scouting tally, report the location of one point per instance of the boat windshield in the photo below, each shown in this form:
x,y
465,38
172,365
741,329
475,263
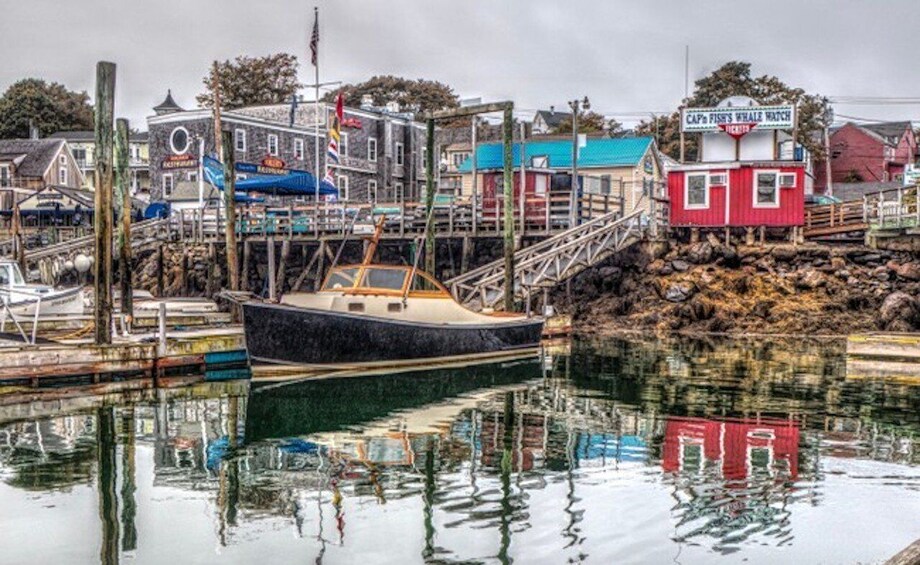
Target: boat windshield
x,y
341,278
389,279
10,273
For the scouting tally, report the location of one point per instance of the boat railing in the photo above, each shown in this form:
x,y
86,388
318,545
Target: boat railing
x,y
6,297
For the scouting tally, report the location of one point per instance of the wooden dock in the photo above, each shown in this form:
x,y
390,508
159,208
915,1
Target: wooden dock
x,y
892,356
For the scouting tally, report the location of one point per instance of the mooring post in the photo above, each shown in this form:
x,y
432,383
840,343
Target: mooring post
x,y
123,205
19,252
161,334
102,213
161,283
271,267
509,210
233,271
244,276
430,258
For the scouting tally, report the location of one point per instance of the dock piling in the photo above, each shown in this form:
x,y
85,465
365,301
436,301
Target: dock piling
x,y
123,205
102,217
233,272
509,210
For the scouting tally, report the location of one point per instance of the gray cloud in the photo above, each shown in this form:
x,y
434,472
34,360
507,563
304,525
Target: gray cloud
x,y
627,56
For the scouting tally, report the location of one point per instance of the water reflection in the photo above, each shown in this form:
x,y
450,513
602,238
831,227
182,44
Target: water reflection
x,y
625,450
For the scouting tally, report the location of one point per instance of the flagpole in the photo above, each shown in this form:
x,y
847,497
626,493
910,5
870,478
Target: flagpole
x,y
316,119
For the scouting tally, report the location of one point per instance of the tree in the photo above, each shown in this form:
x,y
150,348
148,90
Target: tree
x,y
734,79
252,81
419,95
49,106
591,122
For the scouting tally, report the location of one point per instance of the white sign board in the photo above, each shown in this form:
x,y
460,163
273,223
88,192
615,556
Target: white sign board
x,y
911,175
758,117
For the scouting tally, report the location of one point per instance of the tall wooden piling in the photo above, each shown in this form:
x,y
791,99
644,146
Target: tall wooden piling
x,y
509,210
102,213
430,258
233,271
123,205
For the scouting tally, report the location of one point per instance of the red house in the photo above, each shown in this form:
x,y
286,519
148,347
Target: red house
x,y
737,194
868,153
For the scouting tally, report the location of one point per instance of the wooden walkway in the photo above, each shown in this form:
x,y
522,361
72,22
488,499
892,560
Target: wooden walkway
x,y
889,212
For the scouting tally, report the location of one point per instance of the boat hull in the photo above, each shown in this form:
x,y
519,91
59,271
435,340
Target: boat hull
x,y
288,334
55,303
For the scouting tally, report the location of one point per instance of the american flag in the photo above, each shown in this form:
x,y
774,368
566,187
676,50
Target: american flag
x,y
314,39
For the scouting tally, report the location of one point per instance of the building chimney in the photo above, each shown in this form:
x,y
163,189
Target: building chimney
x,y
367,101
393,107
552,110
33,130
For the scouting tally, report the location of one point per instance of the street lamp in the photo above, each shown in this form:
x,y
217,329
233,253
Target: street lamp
x,y
585,105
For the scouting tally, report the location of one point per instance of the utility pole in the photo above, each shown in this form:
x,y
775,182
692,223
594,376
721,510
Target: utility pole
x,y
576,105
522,196
233,272
828,120
123,205
218,146
475,199
508,141
102,213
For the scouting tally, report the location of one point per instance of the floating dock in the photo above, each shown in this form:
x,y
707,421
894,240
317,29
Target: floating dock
x,y
894,356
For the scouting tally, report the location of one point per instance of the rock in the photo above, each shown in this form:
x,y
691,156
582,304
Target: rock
x,y
838,263
665,271
868,259
909,271
680,266
899,312
784,253
811,279
730,258
680,292
655,266
700,253
763,308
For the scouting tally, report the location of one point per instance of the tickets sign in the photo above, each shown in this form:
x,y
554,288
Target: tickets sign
x,y
738,130
715,119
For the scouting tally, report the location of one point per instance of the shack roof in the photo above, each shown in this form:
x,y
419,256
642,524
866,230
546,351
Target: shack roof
x,y
32,156
598,153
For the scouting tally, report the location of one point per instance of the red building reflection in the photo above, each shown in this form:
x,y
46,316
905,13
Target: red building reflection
x,y
739,447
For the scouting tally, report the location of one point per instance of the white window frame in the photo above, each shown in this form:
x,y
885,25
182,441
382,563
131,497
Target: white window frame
x,y
769,205
299,152
372,190
172,184
8,176
343,144
62,173
372,149
341,183
239,135
62,159
400,154
192,176
718,179
272,140
135,151
539,161
398,191
787,176
687,205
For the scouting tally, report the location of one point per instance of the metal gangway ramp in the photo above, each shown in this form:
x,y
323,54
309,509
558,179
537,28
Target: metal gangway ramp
x,y
549,262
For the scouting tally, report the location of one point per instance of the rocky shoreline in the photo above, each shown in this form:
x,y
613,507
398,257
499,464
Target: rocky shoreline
x,y
773,289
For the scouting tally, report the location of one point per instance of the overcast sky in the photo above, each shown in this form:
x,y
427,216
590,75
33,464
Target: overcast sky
x,y
628,56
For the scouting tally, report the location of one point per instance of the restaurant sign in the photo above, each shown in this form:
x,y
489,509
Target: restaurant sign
x,y
268,166
184,161
739,120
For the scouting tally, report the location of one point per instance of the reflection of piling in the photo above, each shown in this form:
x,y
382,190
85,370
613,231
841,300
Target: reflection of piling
x,y
107,480
102,212
506,464
128,485
430,488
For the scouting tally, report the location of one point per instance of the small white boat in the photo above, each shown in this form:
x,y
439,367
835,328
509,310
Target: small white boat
x,y
23,298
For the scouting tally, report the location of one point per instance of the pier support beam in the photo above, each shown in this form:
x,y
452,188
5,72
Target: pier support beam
x,y
102,217
123,205
233,271
509,210
430,255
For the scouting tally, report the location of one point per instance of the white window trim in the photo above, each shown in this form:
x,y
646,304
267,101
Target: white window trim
x,y
372,190
192,176
8,175
398,190
62,159
172,184
239,134
372,155
754,203
343,144
62,176
299,152
341,182
271,137
687,205
400,158
188,141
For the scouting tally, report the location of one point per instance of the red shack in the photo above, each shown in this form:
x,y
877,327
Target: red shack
x,y
750,173
738,194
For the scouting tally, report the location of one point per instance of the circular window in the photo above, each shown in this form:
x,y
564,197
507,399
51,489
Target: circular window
x,y
179,140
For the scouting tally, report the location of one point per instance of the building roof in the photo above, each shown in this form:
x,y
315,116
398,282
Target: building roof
x,y
552,119
90,136
598,153
891,131
32,156
167,105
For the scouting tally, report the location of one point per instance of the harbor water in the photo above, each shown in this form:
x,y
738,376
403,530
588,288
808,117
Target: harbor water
x,y
632,450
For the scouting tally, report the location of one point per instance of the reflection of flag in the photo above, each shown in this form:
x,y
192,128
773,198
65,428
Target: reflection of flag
x,y
335,134
314,39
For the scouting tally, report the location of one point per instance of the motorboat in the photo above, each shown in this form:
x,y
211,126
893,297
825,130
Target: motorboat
x,y
370,312
22,299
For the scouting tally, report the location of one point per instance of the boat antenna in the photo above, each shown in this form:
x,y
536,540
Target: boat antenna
x,y
372,248
418,254
348,233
